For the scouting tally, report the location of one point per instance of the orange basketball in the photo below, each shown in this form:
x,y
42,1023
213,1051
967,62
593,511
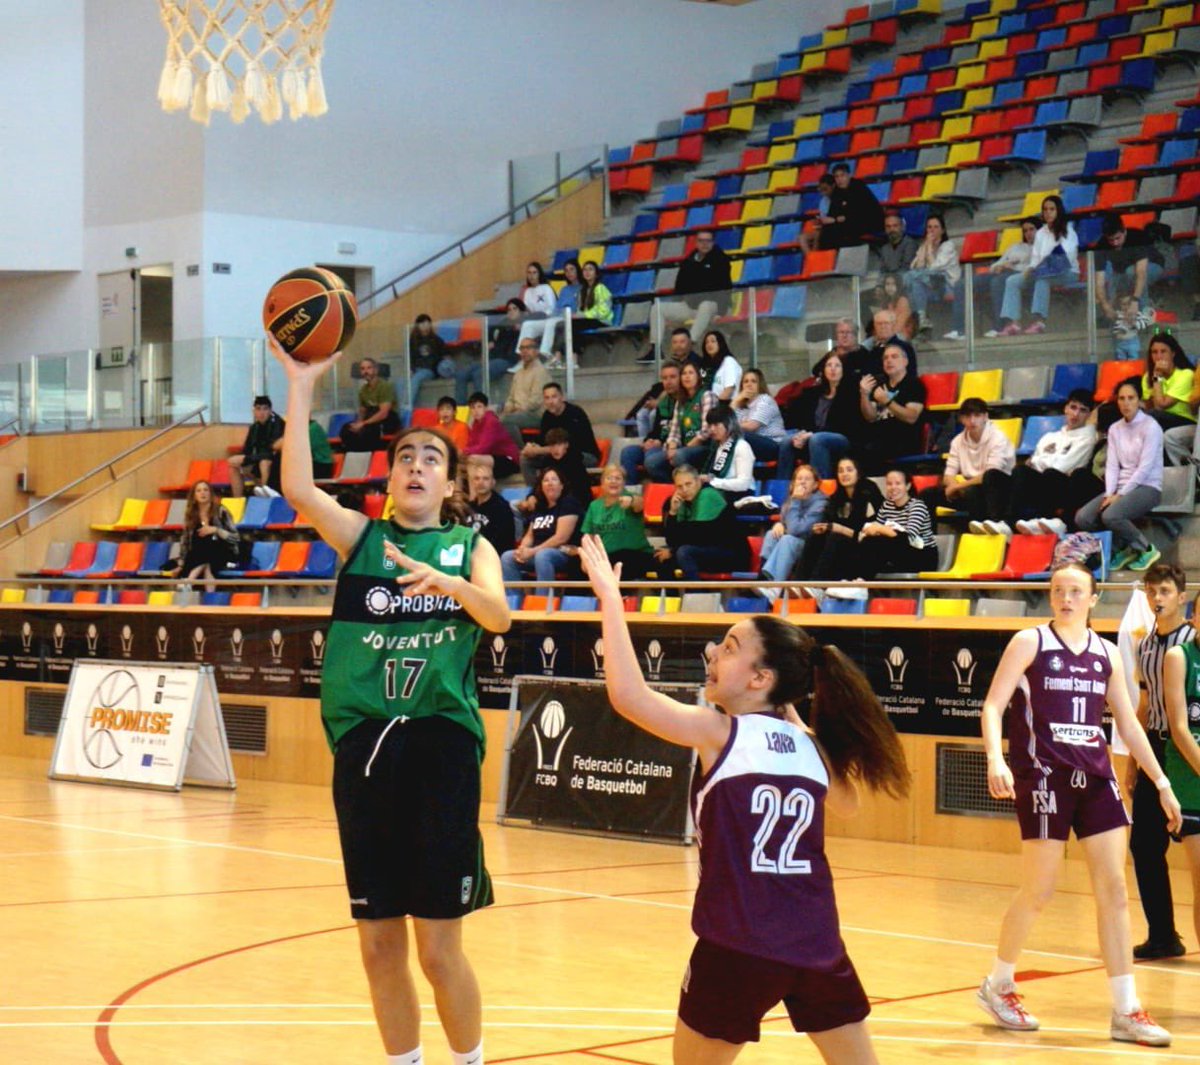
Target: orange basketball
x,y
311,313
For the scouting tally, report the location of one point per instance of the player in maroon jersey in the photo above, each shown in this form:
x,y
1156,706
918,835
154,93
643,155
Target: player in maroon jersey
x,y
759,810
1058,678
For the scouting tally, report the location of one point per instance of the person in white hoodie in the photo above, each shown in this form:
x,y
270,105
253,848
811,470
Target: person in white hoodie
x,y
1057,480
978,475
1054,261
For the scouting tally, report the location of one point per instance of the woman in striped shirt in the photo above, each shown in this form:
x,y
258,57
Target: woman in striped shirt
x,y
900,538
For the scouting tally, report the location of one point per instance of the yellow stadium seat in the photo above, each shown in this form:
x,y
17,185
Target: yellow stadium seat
x,y
1031,206
12,595
757,209
962,153
236,505
936,186
594,253
977,98
947,608
812,61
765,88
1000,6
1157,42
462,413
670,604
1010,236
780,153
783,179
954,129
735,270
984,27
129,518
806,124
970,74
740,120
1178,16
987,385
832,37
1010,427
756,237
977,553
160,599
992,49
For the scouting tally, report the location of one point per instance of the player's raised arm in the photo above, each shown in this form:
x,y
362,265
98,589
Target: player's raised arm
x,y
338,526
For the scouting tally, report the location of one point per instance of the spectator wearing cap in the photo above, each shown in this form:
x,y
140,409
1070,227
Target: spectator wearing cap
x,y
1057,480
260,450
891,406
978,475
377,414
1126,261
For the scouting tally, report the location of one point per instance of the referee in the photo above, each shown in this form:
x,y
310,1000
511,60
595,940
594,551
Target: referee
x,y
1164,585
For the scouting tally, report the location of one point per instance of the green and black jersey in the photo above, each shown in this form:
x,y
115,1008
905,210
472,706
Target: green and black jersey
x,y
391,655
1184,781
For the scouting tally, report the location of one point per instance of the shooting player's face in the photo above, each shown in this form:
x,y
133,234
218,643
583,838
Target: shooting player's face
x,y
420,479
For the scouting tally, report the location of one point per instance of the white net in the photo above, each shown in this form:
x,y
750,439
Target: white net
x,y
239,55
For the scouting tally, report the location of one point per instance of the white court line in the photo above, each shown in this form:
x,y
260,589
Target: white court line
x,y
88,850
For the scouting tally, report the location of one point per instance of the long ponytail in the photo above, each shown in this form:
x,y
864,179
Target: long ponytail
x,y
832,694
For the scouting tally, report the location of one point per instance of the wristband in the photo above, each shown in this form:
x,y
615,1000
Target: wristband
x,y
1162,783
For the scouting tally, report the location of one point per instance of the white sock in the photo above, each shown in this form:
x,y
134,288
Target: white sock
x,y
1003,975
409,1057
1124,993
471,1057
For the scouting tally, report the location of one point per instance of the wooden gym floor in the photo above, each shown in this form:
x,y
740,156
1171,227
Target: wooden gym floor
x,y
212,928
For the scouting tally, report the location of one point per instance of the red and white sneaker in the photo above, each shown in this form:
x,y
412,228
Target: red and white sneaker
x,y
1004,1007
1138,1027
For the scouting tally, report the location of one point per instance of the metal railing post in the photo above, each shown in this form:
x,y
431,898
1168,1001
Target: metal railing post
x,y
1090,298
214,401
569,347
752,321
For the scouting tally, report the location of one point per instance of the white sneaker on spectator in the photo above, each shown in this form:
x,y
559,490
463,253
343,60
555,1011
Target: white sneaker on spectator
x,y
954,334
991,334
997,528
1053,525
1030,527
976,527
847,591
266,491
260,491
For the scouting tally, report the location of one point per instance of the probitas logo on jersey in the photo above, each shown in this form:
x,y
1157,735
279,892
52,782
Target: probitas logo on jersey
x,y
379,601
550,728
964,668
654,659
1193,712
897,665
499,651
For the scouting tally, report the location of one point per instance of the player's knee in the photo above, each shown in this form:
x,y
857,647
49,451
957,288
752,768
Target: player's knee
x,y
1038,896
439,960
382,945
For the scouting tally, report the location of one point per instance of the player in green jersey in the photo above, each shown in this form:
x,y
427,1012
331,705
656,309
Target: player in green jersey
x,y
399,708
1181,684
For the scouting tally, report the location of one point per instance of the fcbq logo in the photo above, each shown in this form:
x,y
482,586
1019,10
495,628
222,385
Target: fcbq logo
x,y
499,651
550,728
162,640
92,636
26,637
654,659
897,666
59,637
198,642
598,658
126,640
549,653
276,645
964,668
316,644
236,644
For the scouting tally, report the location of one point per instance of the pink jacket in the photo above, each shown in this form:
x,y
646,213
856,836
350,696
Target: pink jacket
x,y
488,437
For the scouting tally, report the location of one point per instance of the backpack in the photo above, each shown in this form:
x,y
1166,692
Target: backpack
x,y
1080,547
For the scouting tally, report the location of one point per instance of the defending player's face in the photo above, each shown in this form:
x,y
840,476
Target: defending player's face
x,y
733,664
1165,598
420,478
1071,595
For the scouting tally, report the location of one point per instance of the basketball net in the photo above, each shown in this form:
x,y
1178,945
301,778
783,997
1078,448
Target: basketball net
x,y
234,55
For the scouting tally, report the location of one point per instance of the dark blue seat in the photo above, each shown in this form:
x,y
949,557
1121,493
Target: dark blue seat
x,y
154,558
215,598
748,604
337,422
60,595
263,556
257,513
1068,376
322,561
1037,426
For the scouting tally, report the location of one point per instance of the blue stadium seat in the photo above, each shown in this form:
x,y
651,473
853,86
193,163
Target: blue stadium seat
x,y
263,556
106,555
154,559
60,595
561,258
280,512
832,605
790,302
215,598
760,271
1068,376
1036,427
579,603
257,513
748,604
322,561
336,423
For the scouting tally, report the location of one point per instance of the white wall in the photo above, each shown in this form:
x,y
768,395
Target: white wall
x,y
41,136
428,102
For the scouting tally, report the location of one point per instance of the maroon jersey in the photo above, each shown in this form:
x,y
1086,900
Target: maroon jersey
x,y
765,886
1058,709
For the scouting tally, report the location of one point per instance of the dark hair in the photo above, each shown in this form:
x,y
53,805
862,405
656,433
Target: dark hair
x,y
421,318
518,303
477,397
454,506
1032,220
557,435
680,329
1059,229
1161,572
722,349
973,405
840,166
551,386
857,469
905,473
722,414
539,492
446,401
831,692
1134,382
1082,396
1181,360
265,401
1112,224
819,370
578,270
905,347
825,179
940,220
541,274
587,292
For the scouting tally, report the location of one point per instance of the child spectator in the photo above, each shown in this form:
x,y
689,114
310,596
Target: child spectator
x,y
427,357
487,437
784,541
449,425
1127,323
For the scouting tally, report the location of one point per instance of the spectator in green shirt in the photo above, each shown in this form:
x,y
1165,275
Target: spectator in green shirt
x,y
616,517
376,411
1167,383
702,530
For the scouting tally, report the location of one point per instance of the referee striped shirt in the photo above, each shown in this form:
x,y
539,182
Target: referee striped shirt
x,y
1152,651
913,518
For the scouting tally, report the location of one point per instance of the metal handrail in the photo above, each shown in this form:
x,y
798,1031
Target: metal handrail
x,y
460,244
12,421
107,464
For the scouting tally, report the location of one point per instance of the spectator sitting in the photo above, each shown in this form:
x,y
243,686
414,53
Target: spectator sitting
x,y
784,542
688,434
427,357
897,250
831,552
490,513
826,418
487,437
935,268
706,272
1128,322
1167,384
810,239
1133,476
719,367
209,542
552,526
730,464
449,425
501,353
1057,480
539,299
900,537
759,417
376,411
1126,261
1182,442
892,407
854,213
595,305
560,454
978,475
322,453
566,300
616,517
523,408
857,360
679,353
654,437
702,530
264,441
1015,260
557,413
893,306
1053,261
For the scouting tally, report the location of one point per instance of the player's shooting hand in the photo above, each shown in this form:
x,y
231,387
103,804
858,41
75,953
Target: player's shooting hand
x,y
300,371
421,578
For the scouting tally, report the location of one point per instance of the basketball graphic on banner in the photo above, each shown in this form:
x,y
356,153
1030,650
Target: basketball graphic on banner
x,y
117,690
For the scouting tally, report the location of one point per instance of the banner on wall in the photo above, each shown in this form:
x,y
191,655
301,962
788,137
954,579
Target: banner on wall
x,y
142,724
572,762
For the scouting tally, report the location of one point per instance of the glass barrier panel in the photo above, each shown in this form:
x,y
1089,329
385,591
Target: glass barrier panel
x,y
77,391
189,367
50,393
114,389
13,398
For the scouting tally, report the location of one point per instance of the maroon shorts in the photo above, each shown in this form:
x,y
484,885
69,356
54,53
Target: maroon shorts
x,y
1049,807
726,994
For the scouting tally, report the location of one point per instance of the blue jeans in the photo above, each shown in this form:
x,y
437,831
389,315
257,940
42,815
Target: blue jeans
x,y
445,370
1040,304
546,563
633,458
780,555
469,378
765,448
659,467
824,452
692,558
922,284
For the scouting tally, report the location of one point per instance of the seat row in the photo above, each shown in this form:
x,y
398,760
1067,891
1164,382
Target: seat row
x,y
249,513
127,597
